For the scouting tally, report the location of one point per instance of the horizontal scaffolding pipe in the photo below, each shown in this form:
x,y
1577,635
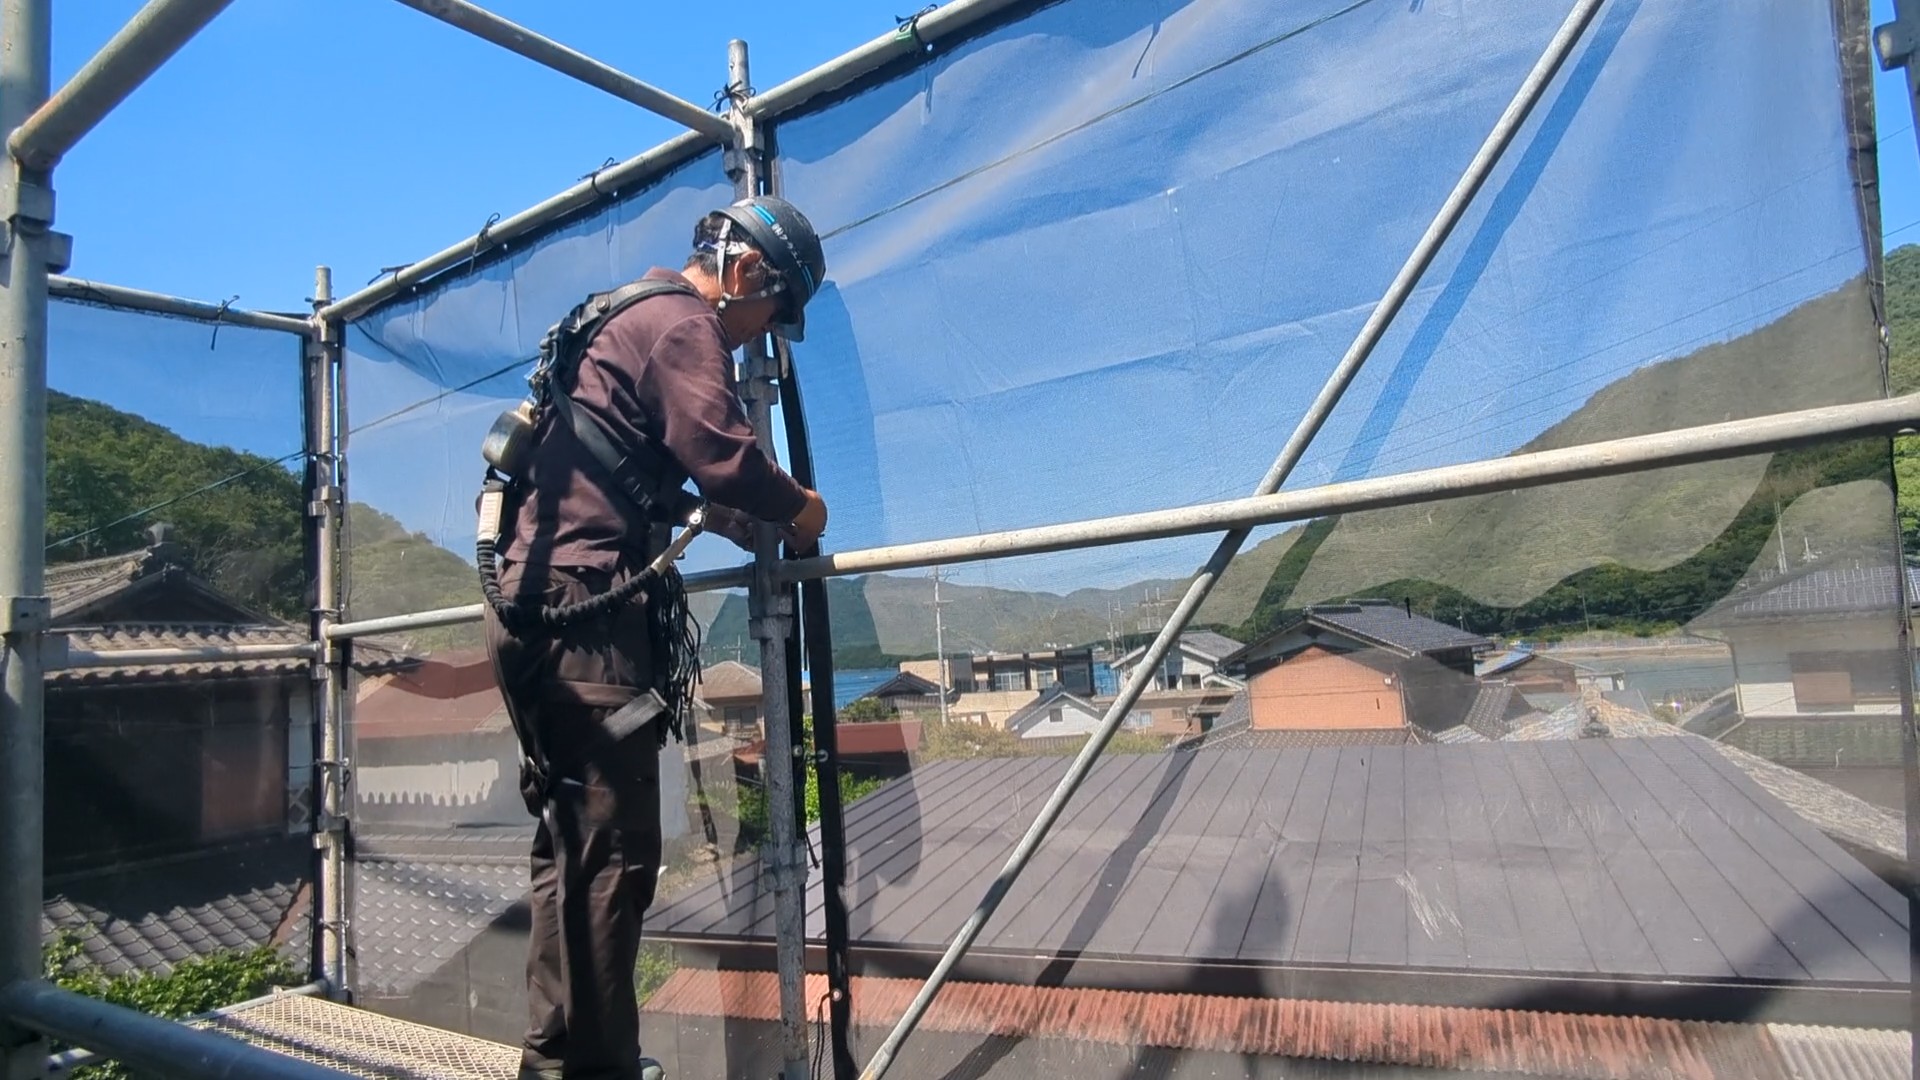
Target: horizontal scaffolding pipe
x,y
148,1045
120,296
205,654
1639,453
513,37
733,577
149,39
594,188
910,38
66,1061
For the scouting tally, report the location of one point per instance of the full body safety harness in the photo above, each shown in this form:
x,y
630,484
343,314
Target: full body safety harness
x,y
645,474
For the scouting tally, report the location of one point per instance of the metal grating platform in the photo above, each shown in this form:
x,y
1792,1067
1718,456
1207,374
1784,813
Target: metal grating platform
x,y
362,1043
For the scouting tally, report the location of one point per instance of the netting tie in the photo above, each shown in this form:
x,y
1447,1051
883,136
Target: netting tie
x,y
909,27
219,314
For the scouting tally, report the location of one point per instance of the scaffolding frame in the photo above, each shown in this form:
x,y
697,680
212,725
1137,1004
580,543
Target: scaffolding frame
x,y
42,126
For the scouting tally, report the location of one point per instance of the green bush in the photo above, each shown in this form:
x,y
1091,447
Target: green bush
x,y
196,985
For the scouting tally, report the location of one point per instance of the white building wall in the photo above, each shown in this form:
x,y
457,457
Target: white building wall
x,y
1763,664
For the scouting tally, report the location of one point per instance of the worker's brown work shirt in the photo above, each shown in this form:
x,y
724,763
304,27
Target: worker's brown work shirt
x,y
660,368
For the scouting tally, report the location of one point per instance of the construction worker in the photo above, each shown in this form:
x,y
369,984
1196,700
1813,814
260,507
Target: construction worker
x,y
656,377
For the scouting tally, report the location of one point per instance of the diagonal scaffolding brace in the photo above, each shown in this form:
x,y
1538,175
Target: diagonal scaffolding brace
x,y
1469,185
149,39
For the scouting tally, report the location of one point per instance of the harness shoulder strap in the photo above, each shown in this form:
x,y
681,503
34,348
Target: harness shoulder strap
x,y
637,473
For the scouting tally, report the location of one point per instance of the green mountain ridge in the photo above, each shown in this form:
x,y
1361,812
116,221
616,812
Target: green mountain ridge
x,y
1631,553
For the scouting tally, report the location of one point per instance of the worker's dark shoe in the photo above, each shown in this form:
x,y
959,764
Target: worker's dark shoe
x,y
651,1070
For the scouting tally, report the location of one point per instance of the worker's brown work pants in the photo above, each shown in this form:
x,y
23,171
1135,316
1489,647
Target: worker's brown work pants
x,y
596,851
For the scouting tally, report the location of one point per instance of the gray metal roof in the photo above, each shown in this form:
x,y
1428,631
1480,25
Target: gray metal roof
x,y
1421,858
1384,623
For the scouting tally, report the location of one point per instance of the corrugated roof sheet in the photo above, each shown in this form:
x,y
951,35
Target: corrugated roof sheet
x,y
1448,1039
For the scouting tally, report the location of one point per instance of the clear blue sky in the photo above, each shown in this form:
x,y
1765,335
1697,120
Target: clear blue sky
x,y
361,133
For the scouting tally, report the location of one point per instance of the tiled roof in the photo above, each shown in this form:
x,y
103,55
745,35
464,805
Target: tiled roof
x,y
369,660
1218,646
151,917
1830,589
1829,742
907,683
1487,716
728,679
1459,733
1446,1040
1379,623
76,585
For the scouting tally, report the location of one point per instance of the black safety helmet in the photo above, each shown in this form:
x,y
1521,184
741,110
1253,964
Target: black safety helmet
x,y
786,240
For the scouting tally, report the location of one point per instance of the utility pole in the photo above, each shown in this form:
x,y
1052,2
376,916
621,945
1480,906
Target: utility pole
x,y
940,646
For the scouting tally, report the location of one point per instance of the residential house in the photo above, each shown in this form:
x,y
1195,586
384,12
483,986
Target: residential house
x,y
1365,665
1058,712
1817,671
154,759
972,673
910,694
1196,661
178,795
433,748
1533,673
729,692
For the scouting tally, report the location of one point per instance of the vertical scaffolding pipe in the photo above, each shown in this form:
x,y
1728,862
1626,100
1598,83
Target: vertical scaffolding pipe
x,y
25,46
770,608
1469,184
1898,46
329,670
